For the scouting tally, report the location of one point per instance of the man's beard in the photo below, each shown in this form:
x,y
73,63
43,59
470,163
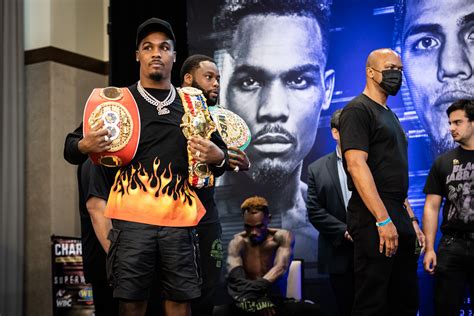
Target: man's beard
x,y
271,173
210,101
156,76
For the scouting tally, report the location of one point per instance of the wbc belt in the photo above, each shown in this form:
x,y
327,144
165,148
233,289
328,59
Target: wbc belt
x,y
117,108
232,128
196,121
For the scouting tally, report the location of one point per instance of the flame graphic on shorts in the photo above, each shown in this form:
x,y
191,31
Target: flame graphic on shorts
x,y
158,199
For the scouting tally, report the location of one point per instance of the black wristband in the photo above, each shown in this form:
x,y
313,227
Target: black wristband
x,y
414,219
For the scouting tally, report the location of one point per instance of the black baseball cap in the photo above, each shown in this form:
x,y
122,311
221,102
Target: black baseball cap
x,y
154,25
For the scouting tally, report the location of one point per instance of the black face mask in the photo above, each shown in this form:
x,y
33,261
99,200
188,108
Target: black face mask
x,y
391,80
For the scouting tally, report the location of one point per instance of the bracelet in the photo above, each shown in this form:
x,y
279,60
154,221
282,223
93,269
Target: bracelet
x,y
414,219
383,223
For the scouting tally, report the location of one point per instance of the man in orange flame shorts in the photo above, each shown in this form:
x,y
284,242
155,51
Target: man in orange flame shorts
x,y
152,206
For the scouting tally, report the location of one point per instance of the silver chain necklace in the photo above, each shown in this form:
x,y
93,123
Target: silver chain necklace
x,y
161,106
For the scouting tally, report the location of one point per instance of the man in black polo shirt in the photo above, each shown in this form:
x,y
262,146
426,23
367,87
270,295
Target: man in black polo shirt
x,y
451,178
374,146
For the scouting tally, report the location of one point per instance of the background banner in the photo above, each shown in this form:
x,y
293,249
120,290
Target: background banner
x,y
289,71
71,295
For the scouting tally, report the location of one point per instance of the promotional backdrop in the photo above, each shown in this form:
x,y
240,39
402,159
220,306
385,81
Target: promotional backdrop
x,y
289,76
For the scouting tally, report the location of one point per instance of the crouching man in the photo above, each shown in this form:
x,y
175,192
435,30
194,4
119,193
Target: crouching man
x,y
258,261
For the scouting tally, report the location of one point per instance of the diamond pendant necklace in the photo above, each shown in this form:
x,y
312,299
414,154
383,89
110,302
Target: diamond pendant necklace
x,y
161,106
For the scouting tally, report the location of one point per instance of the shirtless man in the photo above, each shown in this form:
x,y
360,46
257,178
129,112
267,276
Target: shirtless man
x,y
258,262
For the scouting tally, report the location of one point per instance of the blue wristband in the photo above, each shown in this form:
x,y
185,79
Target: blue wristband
x,y
383,223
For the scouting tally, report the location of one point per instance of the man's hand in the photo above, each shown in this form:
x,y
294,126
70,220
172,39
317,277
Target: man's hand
x,y
204,150
348,237
388,237
429,261
96,141
238,160
420,236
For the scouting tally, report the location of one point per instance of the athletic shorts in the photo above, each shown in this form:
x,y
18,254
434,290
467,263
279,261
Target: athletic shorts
x,y
142,254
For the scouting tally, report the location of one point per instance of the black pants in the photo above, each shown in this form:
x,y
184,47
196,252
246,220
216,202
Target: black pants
x,y
210,247
343,287
454,269
104,303
383,285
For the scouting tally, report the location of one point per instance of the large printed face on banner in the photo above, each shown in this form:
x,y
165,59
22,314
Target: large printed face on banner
x,y
275,78
278,86
274,75
437,46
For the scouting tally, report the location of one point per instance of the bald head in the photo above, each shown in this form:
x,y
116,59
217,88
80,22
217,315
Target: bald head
x,y
381,54
383,74
382,59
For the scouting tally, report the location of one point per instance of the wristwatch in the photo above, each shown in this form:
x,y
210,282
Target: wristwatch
x,y
414,219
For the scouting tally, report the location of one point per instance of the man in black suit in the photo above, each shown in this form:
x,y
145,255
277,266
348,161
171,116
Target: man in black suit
x,y
328,196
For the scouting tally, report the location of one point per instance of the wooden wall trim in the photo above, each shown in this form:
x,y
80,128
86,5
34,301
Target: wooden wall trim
x,y
68,58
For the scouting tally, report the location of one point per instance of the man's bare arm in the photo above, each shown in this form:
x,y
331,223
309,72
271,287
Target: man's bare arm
x,y
430,226
283,255
234,256
365,185
102,225
419,234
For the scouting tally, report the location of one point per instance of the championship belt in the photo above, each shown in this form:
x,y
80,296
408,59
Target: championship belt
x,y
117,108
232,128
196,121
